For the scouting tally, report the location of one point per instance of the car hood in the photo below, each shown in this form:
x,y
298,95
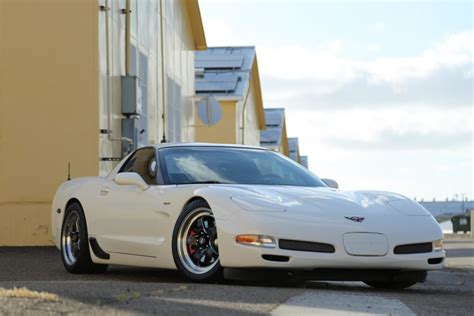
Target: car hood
x,y
324,199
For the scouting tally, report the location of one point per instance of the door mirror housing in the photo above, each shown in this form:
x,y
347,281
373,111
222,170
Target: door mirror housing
x,y
331,183
131,178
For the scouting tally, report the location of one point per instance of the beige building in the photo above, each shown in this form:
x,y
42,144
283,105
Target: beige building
x,y
230,76
274,136
294,149
83,82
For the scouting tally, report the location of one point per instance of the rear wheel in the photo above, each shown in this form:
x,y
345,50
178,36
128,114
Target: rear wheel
x,y
396,285
195,244
74,243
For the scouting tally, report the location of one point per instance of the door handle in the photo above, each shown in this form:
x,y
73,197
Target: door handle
x,y
104,191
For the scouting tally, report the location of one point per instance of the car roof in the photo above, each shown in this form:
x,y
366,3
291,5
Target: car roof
x,y
166,145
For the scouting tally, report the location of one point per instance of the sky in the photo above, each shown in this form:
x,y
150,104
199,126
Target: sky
x,y
379,93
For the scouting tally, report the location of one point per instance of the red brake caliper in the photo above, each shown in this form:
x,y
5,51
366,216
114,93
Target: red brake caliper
x,y
190,248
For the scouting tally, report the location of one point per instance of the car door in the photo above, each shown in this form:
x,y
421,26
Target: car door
x,y
129,217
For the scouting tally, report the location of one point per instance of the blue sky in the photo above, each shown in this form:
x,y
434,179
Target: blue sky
x,y
380,93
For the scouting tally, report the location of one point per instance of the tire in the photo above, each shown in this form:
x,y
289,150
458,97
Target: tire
x,y
395,285
75,243
194,243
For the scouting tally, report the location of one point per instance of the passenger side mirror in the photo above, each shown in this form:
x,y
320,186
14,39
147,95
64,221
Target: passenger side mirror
x,y
331,183
131,178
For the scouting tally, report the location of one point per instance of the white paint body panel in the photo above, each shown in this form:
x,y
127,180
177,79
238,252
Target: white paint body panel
x,y
135,226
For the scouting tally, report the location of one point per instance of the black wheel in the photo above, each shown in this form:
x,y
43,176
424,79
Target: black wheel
x,y
395,285
195,246
75,244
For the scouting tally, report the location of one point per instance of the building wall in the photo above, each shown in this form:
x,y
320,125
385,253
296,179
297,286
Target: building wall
x,y
48,109
284,141
175,87
225,131
56,95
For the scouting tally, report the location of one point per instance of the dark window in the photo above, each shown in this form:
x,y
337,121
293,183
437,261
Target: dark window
x,y
144,163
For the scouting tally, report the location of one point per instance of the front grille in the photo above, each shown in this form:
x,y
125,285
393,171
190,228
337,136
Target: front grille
x,y
305,246
413,248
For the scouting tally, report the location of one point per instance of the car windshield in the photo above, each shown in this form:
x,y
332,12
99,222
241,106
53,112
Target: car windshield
x,y
230,165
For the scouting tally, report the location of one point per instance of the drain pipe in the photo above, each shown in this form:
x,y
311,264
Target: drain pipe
x,y
127,38
163,98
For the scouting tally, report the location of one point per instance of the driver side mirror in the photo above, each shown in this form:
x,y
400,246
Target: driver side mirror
x,y
131,178
331,183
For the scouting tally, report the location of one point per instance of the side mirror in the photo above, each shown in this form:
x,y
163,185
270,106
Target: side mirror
x,y
131,178
331,183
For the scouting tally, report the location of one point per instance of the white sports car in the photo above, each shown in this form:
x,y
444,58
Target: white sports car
x,y
210,210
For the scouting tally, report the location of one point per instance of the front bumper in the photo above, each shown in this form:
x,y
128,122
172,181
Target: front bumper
x,y
279,226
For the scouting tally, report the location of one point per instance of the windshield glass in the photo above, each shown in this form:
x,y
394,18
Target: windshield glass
x,y
199,164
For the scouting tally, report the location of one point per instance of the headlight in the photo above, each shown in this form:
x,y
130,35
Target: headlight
x,y
256,240
251,203
438,245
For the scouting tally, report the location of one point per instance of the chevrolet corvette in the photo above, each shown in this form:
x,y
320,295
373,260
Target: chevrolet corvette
x,y
211,211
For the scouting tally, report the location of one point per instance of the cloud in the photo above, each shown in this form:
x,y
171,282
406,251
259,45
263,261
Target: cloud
x,y
373,48
391,140
440,76
447,87
397,129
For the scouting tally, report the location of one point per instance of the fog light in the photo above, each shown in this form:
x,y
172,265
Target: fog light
x,y
438,245
256,240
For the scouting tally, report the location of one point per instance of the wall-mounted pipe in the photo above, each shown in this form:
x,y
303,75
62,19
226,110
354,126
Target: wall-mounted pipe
x,y
128,68
163,95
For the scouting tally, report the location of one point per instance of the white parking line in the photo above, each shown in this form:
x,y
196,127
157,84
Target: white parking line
x,y
317,303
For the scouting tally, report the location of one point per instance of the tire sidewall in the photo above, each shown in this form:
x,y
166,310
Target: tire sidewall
x,y
215,273
83,260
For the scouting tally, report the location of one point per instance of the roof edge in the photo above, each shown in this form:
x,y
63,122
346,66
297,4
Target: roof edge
x,y
197,26
258,94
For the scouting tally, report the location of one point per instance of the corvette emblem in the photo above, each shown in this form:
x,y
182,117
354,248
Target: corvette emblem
x,y
355,219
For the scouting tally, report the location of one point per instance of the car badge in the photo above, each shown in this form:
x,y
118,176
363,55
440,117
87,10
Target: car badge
x,y
355,219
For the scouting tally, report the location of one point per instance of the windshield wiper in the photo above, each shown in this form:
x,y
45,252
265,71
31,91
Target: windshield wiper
x,y
204,182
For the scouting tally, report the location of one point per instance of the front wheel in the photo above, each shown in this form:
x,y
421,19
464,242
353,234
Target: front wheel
x,y
195,243
74,243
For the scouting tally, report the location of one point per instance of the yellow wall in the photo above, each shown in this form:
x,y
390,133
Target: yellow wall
x,y
224,131
284,141
49,109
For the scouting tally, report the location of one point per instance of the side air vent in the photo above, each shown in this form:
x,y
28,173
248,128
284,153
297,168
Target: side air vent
x,y
305,246
98,251
413,248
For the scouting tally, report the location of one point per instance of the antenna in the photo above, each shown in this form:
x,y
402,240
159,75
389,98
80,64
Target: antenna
x,y
68,171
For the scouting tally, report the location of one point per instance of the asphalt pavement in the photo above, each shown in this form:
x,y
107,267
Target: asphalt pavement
x,y
46,288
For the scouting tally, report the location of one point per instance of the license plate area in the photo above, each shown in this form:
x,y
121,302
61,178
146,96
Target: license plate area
x,y
365,244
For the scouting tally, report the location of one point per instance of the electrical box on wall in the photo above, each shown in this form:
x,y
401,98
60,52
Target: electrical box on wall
x,y
131,95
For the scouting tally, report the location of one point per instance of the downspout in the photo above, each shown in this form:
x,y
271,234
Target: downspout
x,y
107,70
163,99
127,38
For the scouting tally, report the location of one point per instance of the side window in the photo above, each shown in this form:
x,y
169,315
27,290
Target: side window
x,y
142,162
